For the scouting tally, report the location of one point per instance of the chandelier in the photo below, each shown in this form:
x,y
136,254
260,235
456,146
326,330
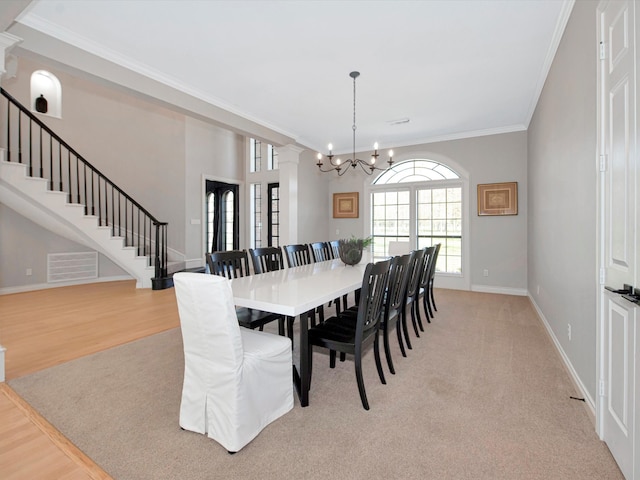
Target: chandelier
x,y
367,166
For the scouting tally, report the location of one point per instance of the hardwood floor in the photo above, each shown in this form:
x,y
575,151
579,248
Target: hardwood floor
x,y
44,328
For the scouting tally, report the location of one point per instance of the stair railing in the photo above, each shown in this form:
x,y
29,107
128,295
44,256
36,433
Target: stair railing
x,y
30,142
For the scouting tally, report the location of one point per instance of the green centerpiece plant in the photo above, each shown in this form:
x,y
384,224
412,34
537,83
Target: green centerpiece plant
x,y
351,249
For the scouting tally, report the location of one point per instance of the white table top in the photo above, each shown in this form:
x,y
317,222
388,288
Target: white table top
x,y
294,291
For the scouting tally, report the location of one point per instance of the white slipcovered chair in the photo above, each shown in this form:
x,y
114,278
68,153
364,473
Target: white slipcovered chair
x,y
236,380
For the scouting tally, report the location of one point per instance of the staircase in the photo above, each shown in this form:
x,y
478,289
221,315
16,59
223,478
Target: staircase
x,y
45,180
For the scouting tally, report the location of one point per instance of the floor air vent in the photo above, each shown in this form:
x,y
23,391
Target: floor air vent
x,y
65,267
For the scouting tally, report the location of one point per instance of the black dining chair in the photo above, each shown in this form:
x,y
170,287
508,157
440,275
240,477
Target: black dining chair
x,y
423,283
266,259
269,259
394,303
297,255
334,248
235,264
411,298
430,301
342,335
320,251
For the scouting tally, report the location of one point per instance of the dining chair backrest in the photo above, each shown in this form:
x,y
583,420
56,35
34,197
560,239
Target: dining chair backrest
x,y
266,259
374,285
427,266
432,270
400,270
334,248
297,255
413,285
320,251
230,264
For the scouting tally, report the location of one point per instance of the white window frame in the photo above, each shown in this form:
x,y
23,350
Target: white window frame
x,y
445,280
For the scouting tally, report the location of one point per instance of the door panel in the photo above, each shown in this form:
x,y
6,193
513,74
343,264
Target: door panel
x,y
618,417
619,138
617,129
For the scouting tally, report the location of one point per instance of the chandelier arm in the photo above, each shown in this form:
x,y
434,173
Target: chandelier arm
x,y
362,164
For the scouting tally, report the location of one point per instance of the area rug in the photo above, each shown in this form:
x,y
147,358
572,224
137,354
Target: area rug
x,y
482,395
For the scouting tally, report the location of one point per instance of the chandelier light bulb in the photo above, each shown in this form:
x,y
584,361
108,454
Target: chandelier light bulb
x,y
330,147
390,153
375,146
338,161
373,160
319,156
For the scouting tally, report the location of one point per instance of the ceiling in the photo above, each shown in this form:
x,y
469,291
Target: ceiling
x,y
453,68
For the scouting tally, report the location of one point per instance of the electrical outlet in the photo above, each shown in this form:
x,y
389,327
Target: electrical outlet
x,y
485,273
569,331
29,272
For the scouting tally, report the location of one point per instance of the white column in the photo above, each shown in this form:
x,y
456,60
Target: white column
x,y
6,42
288,161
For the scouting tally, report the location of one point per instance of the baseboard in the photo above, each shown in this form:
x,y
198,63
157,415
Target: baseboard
x,y
43,286
194,263
588,400
521,292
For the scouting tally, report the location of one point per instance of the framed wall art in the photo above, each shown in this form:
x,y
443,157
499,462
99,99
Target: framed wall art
x,y
345,205
498,198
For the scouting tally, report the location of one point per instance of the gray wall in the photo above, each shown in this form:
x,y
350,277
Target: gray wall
x,y
498,244
25,245
562,174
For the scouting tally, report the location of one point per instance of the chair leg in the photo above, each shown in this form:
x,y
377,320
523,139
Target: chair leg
x,y
332,358
413,318
376,354
400,342
281,326
387,349
405,329
360,380
417,302
310,362
427,308
343,356
433,301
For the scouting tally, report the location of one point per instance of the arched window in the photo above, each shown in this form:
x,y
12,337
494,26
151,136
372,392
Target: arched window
x,y
415,204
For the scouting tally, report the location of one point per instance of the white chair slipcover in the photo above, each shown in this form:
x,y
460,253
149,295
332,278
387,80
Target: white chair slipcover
x,y
236,380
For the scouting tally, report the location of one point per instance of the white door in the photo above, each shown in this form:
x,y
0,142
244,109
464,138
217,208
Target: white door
x,y
618,237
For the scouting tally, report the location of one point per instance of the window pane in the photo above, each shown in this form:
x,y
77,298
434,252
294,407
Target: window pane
x,y
436,211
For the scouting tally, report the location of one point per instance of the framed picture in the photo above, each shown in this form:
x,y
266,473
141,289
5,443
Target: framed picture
x,y
498,198
345,205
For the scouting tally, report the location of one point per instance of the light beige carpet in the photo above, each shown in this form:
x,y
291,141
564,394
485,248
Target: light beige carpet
x,y
482,395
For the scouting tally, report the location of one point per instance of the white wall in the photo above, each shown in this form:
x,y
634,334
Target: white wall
x,y
562,176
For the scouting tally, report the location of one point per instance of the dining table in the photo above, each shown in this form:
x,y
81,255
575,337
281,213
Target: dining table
x,y
298,292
